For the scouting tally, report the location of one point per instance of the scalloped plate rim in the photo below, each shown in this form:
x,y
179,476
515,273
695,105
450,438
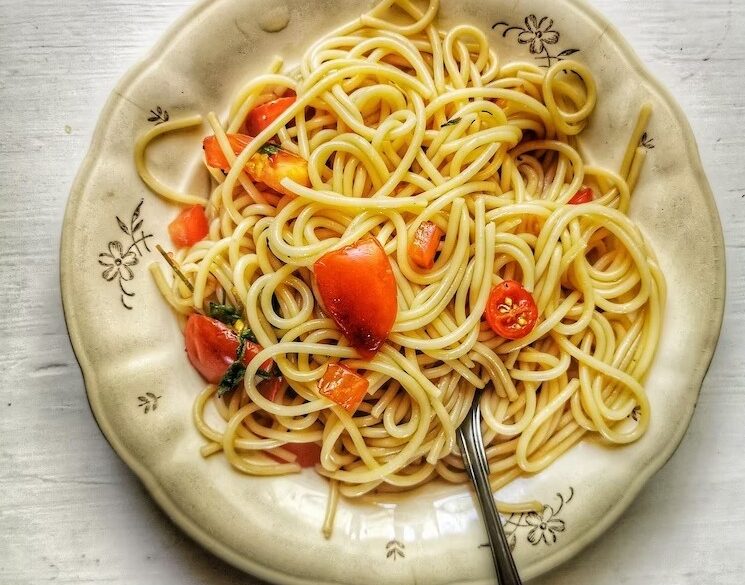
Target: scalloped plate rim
x,y
225,552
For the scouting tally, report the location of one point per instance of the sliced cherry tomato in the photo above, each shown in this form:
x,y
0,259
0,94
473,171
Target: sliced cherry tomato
x,y
212,346
189,227
344,386
358,291
423,246
511,310
269,165
584,195
308,454
263,115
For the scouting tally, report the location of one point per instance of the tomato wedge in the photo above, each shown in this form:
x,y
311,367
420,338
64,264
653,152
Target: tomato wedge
x,y
358,291
189,227
423,246
212,346
344,386
263,115
269,165
511,310
584,195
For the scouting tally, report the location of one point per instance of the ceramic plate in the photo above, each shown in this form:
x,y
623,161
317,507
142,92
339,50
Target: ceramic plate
x,y
141,387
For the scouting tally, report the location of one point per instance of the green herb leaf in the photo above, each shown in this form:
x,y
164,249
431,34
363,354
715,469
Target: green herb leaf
x,y
269,149
264,374
232,377
237,370
452,122
223,313
247,334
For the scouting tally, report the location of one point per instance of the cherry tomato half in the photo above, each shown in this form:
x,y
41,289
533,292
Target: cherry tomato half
x,y
212,346
358,291
511,311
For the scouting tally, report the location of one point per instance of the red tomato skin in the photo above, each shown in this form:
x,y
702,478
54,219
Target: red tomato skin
x,y
212,346
358,291
584,195
263,115
269,388
521,305
308,454
189,227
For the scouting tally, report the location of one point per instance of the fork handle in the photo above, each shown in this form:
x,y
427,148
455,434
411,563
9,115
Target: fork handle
x,y
477,466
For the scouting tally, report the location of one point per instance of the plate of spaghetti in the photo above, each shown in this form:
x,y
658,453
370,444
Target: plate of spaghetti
x,y
312,236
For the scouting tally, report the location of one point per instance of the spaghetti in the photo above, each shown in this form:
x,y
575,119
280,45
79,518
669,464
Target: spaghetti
x,y
402,126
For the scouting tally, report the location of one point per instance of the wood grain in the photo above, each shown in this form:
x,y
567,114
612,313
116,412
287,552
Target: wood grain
x,y
71,512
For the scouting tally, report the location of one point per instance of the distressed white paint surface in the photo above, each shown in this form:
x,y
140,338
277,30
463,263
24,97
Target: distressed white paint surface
x,y
71,512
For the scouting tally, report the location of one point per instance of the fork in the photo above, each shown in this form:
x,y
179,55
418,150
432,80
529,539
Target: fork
x,y
477,466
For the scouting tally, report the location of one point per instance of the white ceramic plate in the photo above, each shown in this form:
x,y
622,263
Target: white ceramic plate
x,y
141,387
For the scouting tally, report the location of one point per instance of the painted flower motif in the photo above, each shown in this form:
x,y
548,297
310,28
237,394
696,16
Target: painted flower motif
x,y
538,33
117,262
544,526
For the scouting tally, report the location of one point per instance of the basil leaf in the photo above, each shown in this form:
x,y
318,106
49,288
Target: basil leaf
x,y
269,149
244,335
452,122
223,313
232,377
237,370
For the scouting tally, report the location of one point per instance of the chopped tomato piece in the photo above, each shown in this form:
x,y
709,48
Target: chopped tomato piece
x,y
511,310
269,388
214,155
308,454
212,346
584,195
269,165
263,115
423,246
358,291
272,164
189,227
344,386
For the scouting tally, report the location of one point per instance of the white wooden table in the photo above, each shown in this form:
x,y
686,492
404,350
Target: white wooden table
x,y
71,512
